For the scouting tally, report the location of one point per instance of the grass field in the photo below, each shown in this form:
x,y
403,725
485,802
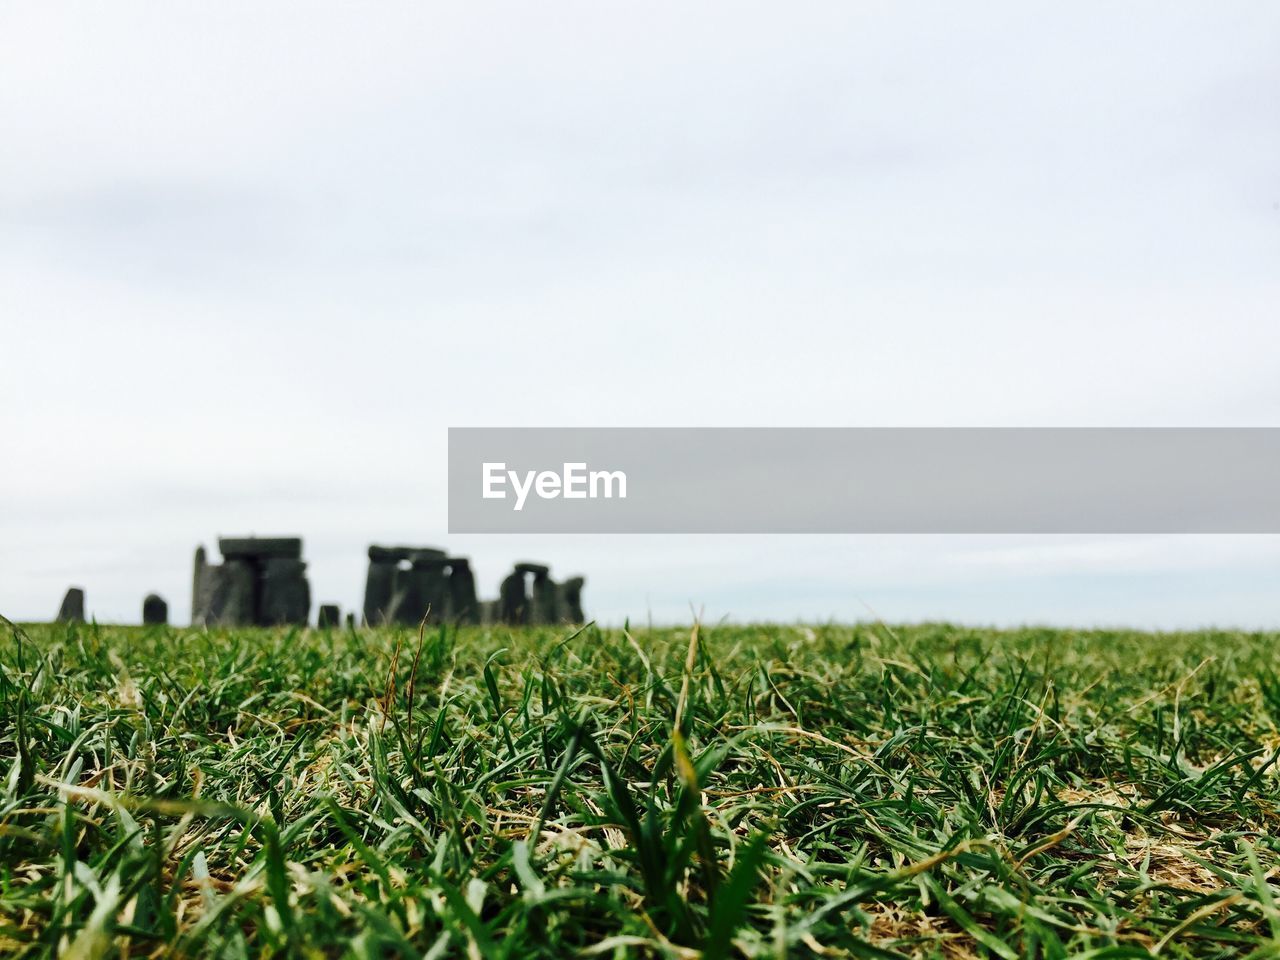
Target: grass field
x,y
761,791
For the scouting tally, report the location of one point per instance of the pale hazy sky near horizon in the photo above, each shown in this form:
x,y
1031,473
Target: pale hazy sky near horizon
x,y
256,259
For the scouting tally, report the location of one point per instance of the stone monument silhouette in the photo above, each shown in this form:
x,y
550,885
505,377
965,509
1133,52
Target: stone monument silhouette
x,y
261,581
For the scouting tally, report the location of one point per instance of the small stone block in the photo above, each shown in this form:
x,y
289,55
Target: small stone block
x,y
155,611
288,548
72,609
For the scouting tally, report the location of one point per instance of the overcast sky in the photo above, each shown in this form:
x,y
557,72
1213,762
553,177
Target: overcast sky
x,y
256,258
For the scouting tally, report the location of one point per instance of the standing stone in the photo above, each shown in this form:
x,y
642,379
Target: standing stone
x,y
154,610
461,606
408,597
545,600
378,589
435,584
212,588
329,616
513,602
418,587
570,600
72,609
198,588
210,596
489,612
351,621
233,600
285,595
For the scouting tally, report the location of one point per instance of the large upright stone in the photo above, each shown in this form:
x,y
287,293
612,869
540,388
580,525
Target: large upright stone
x,y
571,600
329,616
513,601
545,600
209,593
225,595
286,595
408,596
155,611
462,606
378,588
419,588
72,609
198,588
433,567
236,599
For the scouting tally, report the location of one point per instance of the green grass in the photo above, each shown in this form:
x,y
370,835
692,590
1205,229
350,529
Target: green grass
x,y
763,791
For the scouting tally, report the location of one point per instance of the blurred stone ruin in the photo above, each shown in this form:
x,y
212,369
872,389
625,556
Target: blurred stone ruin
x,y
405,584
528,595
262,581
